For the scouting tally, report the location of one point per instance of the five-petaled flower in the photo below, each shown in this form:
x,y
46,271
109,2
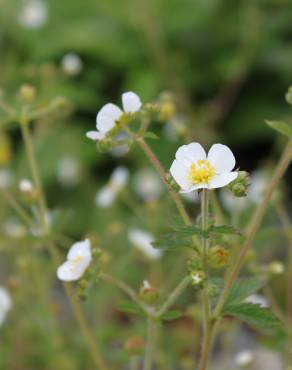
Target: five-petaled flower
x,y
192,169
78,259
110,113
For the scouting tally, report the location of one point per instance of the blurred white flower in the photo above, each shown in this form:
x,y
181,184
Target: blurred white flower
x,y
72,64
192,197
6,178
232,203
258,183
121,150
78,259
26,186
258,299
244,358
14,229
108,193
5,304
147,184
110,113
193,170
34,14
276,268
175,128
68,171
142,240
197,278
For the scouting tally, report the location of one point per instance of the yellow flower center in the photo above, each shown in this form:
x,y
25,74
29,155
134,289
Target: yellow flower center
x,y
201,172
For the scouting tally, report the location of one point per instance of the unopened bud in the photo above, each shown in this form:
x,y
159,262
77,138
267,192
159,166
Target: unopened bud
x,y
135,345
218,256
105,145
276,268
96,252
240,185
166,111
27,93
148,293
61,102
288,95
28,192
197,278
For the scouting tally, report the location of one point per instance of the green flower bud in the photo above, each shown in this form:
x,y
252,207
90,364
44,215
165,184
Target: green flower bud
x,y
27,93
197,278
239,186
276,268
213,290
288,95
61,102
105,145
96,252
148,294
218,256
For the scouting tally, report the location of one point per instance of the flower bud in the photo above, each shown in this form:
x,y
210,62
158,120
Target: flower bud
x,y
28,192
105,145
27,93
96,252
276,268
166,107
288,95
197,278
148,294
135,345
218,256
61,103
172,183
239,186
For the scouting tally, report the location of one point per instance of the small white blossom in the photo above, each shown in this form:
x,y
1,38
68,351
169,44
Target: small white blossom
x,y
25,186
13,228
193,169
197,278
72,64
122,149
232,203
175,128
142,240
6,178
258,183
5,304
110,113
276,268
78,259
244,358
258,299
68,171
146,285
34,14
147,184
108,193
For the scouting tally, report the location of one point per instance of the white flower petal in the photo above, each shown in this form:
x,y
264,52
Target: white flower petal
x,y
131,102
105,197
218,181
5,300
187,154
119,177
107,117
70,271
80,249
180,173
95,135
221,157
142,240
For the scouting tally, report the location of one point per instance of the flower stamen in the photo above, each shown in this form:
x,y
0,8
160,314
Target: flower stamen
x,y
201,172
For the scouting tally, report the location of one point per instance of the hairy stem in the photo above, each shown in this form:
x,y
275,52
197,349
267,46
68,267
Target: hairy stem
x,y
150,343
255,224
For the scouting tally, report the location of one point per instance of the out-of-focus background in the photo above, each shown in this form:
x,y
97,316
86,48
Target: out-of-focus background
x,y
227,65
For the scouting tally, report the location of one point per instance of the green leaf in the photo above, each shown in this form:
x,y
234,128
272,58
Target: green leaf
x,y
242,289
131,308
223,229
170,242
150,135
171,315
282,127
189,231
253,314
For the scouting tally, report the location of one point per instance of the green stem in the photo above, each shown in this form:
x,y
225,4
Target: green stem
x,y
150,343
254,225
173,296
134,363
23,215
207,327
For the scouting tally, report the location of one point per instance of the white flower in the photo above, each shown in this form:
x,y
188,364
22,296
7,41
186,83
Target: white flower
x,y
258,299
197,278
25,186
78,259
110,113
14,228
244,358
258,183
232,203
108,193
71,64
6,178
142,240
192,169
5,304
147,184
34,14
68,171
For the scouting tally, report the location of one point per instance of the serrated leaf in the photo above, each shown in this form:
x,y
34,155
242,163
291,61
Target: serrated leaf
x,y
282,127
252,314
185,231
131,308
242,289
171,315
170,242
223,229
150,135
